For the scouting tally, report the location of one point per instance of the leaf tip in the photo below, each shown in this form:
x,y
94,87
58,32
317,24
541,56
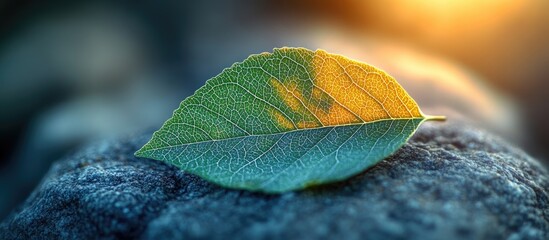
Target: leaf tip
x,y
140,152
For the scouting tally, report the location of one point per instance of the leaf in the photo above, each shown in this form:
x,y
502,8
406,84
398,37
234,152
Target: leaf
x,y
287,120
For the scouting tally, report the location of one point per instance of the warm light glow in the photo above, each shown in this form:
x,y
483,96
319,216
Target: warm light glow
x,y
450,19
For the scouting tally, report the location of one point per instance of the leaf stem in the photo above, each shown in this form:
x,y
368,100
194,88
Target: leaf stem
x,y
434,118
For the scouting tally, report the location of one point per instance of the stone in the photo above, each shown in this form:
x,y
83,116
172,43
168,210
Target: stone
x,y
450,181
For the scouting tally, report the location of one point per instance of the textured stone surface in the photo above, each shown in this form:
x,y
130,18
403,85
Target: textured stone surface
x,y
449,182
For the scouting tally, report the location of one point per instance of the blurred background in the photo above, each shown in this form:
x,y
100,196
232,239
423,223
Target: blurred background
x,y
72,72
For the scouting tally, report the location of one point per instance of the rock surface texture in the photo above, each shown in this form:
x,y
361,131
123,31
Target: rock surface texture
x,y
450,181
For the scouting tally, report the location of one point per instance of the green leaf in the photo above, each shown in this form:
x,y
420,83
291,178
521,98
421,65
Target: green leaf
x,y
287,120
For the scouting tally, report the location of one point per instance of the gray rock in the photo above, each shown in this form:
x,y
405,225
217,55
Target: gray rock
x,y
450,181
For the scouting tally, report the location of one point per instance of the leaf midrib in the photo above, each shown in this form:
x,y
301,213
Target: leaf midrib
x,y
140,152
